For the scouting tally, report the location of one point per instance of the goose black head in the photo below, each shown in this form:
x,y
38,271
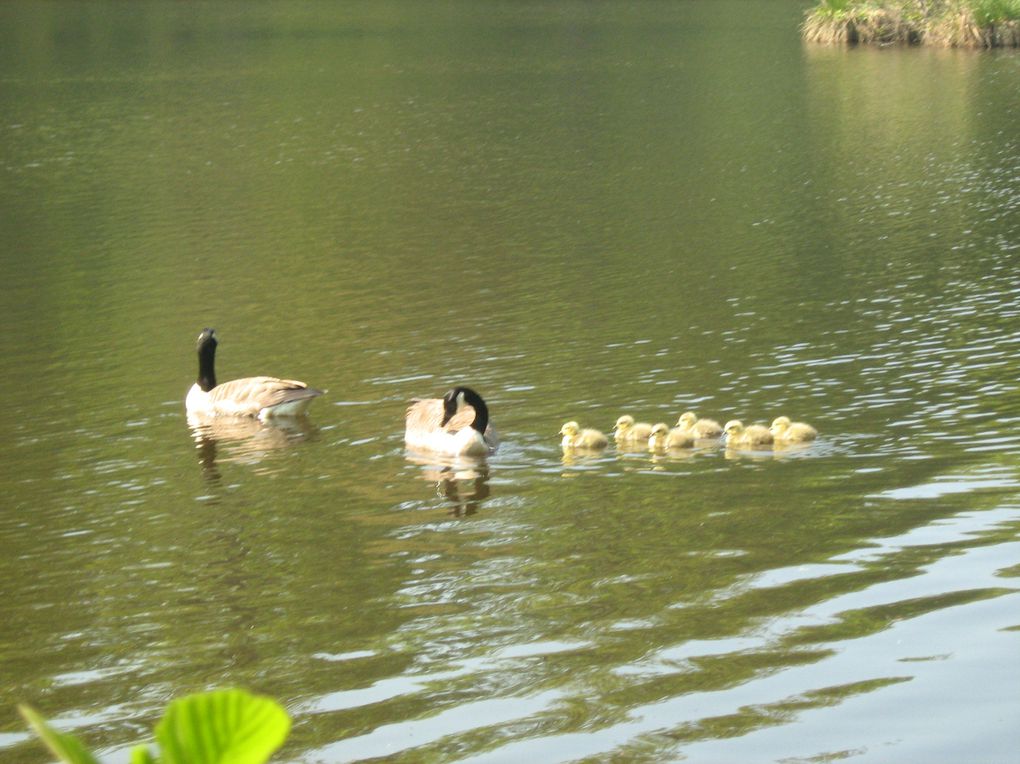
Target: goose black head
x,y
207,338
460,396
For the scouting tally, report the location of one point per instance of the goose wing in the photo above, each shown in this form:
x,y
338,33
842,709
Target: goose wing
x,y
425,416
250,395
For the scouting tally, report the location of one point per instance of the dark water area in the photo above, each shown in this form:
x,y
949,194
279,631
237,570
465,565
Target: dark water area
x,y
581,210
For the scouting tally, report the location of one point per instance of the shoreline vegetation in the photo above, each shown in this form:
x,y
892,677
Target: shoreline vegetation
x,y
948,23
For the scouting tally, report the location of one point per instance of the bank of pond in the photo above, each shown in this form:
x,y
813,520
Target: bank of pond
x,y
945,23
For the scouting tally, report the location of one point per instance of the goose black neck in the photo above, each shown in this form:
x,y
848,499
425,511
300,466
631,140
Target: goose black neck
x,y
473,399
206,361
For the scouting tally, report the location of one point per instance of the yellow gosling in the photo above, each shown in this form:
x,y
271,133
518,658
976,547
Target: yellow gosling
x,y
627,430
575,437
663,438
679,438
657,438
752,436
785,431
699,428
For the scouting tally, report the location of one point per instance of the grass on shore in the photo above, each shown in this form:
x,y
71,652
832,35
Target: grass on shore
x,y
953,23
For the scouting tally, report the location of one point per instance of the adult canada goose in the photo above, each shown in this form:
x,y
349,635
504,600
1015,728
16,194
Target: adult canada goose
x,y
456,424
785,431
262,397
738,436
699,428
662,437
575,437
626,429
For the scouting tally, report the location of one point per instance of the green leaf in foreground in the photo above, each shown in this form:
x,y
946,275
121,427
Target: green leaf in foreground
x,y
221,727
67,748
141,754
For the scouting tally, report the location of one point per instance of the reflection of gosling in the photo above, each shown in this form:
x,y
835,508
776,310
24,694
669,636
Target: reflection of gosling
x,y
785,431
575,437
627,429
662,438
699,428
738,436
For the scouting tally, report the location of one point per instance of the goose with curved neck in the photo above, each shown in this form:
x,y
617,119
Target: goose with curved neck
x,y
456,424
262,397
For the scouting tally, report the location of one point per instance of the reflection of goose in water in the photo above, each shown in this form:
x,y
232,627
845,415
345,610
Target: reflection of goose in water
x,y
463,482
456,425
752,436
784,431
575,437
466,491
699,428
262,397
244,440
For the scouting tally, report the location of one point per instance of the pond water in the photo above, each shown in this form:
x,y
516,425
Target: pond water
x,y
581,210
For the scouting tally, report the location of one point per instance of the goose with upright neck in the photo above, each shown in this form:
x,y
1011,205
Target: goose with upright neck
x,y
261,397
455,425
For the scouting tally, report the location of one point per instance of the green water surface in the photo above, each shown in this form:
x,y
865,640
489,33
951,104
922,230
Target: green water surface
x,y
581,210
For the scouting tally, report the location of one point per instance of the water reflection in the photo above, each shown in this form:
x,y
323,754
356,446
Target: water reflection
x,y
757,454
674,454
631,447
573,455
244,440
463,482
786,450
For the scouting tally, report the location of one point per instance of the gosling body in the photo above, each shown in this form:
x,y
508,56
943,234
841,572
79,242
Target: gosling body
x,y
663,438
785,431
752,436
576,437
626,430
702,429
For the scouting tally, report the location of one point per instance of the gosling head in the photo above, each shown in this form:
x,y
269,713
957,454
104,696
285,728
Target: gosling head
x,y
657,438
779,425
686,420
624,423
734,427
570,429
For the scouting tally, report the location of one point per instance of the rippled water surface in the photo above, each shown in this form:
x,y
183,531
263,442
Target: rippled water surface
x,y
581,210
